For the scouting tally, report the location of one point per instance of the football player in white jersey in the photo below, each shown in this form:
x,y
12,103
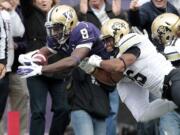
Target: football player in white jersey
x,y
163,34
145,70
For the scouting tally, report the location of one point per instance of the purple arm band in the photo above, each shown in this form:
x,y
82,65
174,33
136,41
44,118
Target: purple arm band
x,y
76,58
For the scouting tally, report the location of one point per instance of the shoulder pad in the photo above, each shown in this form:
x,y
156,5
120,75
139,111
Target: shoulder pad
x,y
128,41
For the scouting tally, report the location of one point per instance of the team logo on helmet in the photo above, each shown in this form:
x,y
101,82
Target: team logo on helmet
x,y
68,15
163,30
118,26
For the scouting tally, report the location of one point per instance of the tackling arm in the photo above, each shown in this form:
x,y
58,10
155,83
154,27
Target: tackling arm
x,y
101,75
113,65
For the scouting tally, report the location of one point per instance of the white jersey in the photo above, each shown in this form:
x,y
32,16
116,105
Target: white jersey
x,y
150,67
172,52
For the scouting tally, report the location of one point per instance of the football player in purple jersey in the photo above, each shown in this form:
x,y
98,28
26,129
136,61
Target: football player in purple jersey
x,y
65,35
77,40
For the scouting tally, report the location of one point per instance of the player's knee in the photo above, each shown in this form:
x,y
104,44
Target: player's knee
x,y
143,117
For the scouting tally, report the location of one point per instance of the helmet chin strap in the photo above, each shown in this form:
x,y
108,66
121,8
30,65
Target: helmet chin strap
x,y
62,44
64,37
62,40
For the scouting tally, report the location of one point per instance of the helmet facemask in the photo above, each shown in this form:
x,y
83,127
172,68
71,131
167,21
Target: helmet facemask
x,y
109,42
57,31
117,36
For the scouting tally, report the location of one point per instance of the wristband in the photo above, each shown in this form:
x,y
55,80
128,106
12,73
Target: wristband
x,y
76,58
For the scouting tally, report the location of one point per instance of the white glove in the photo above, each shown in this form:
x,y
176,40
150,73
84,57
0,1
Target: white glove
x,y
136,30
95,60
88,68
29,71
27,59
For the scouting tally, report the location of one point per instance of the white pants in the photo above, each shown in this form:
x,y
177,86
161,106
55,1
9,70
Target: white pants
x,y
137,101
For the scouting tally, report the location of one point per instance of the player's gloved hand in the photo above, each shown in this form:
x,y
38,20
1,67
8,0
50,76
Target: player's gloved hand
x,y
95,60
28,59
29,71
136,30
88,68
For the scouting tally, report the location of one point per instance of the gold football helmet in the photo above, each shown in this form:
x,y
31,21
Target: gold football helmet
x,y
165,27
115,28
61,19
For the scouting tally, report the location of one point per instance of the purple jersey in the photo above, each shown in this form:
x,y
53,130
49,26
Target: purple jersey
x,y
86,32
83,33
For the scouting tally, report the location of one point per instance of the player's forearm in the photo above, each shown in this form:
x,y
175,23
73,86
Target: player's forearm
x,y
60,65
112,66
118,64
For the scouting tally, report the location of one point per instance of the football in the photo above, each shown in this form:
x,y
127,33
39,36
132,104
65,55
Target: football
x,y
106,77
40,59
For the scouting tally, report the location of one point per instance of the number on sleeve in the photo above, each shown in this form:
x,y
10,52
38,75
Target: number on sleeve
x,y
84,33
